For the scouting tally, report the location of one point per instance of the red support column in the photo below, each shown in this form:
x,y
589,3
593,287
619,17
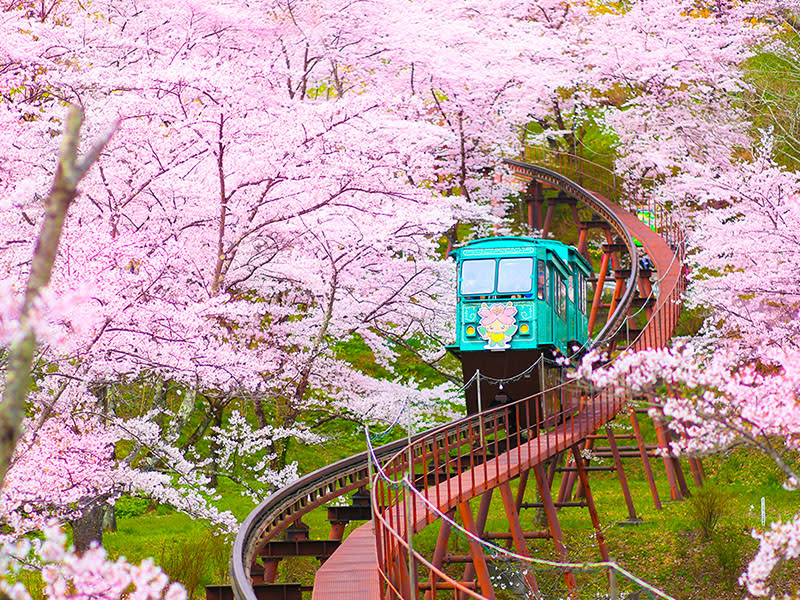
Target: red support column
x,y
565,489
548,219
614,257
534,198
517,536
669,467
476,552
337,530
270,570
582,234
555,528
483,515
439,553
579,492
695,467
681,479
623,481
598,291
523,483
648,471
619,286
601,542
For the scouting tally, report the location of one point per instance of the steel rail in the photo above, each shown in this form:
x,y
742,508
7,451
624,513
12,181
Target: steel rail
x,y
601,208
393,525
290,503
541,442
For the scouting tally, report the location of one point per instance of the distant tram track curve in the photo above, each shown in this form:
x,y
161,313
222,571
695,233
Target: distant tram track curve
x,y
581,415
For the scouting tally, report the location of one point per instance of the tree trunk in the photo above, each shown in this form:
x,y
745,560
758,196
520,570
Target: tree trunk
x,y
200,430
217,420
185,411
159,404
258,408
88,527
109,518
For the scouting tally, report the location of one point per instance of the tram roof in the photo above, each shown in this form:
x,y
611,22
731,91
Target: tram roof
x,y
512,245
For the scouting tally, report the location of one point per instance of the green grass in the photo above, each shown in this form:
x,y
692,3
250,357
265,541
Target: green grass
x,y
146,530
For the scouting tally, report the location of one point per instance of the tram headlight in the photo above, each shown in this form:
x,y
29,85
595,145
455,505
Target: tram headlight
x,y
470,330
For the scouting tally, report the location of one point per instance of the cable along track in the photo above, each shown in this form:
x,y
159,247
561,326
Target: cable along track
x,y
271,519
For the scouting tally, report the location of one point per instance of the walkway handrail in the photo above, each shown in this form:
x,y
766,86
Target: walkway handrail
x,y
602,180
286,505
290,503
524,440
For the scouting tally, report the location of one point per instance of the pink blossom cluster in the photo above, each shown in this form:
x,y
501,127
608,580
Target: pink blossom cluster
x,y
687,146
68,576
780,542
65,466
717,402
56,470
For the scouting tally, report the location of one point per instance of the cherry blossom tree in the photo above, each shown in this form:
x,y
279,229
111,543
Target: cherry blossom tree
x,y
75,467
279,181
227,239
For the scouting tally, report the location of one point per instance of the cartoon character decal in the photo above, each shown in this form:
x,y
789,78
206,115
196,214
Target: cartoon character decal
x,y
498,325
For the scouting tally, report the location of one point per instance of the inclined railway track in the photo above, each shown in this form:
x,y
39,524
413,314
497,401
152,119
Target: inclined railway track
x,y
488,453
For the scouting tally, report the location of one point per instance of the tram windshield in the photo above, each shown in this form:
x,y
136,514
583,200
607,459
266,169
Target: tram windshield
x,y
477,276
514,276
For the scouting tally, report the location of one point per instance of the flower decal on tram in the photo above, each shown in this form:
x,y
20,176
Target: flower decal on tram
x,y
498,325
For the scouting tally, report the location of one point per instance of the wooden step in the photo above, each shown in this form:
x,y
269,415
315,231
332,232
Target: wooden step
x,y
345,514
263,591
589,468
556,504
322,549
538,534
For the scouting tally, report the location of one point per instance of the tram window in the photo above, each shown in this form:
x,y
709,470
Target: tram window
x,y
556,291
541,278
571,288
514,275
477,276
562,298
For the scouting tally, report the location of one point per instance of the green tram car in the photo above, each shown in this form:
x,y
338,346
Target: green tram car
x,y
518,299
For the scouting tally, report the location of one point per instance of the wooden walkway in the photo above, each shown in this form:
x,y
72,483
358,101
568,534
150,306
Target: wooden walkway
x,y
667,266
351,572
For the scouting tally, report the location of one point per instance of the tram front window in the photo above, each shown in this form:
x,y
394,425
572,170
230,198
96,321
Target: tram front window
x,y
514,276
477,277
